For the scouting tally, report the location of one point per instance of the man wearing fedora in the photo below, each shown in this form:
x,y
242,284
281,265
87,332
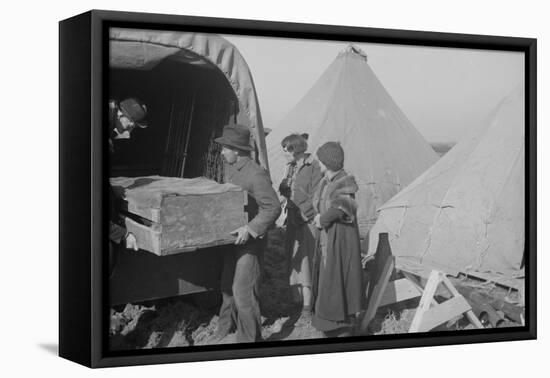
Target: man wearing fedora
x,y
240,308
124,116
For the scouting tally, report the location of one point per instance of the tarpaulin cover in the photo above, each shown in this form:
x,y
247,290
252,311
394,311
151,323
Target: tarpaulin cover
x,y
467,212
144,49
147,192
350,105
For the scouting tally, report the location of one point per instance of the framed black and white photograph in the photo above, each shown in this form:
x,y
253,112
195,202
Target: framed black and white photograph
x,y
259,188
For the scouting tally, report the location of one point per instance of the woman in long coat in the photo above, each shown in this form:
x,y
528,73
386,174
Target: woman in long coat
x,y
337,268
298,187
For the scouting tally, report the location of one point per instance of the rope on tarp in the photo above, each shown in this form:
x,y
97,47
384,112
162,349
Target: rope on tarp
x,y
353,49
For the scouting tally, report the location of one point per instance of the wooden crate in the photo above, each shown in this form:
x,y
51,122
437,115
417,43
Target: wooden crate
x,y
172,215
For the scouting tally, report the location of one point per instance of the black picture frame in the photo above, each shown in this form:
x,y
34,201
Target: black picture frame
x,y
83,42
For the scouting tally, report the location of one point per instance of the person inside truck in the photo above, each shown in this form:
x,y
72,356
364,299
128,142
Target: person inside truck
x,y
124,116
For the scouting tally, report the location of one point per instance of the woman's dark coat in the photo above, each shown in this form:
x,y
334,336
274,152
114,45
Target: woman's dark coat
x,y
337,272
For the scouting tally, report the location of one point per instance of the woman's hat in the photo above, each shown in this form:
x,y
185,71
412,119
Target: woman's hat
x,y
331,155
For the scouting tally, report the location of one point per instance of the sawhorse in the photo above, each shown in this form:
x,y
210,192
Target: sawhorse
x,y
430,313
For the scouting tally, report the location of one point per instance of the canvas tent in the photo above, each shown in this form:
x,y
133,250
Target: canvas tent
x,y
466,213
193,84
350,105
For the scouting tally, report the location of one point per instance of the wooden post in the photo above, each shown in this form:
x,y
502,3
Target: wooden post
x,y
384,264
377,294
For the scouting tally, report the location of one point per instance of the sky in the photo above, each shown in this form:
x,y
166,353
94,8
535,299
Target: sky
x,y
445,92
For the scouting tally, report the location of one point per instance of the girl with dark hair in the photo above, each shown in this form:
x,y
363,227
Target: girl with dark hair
x,y
302,177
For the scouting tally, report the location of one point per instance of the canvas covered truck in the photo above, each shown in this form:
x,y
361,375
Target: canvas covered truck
x,y
193,85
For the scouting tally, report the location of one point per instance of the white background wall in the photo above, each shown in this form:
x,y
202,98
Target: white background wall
x,y
29,186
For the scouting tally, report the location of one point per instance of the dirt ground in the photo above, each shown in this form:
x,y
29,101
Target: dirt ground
x,y
192,319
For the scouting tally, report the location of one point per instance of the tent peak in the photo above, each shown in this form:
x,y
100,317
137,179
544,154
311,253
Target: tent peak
x,y
353,49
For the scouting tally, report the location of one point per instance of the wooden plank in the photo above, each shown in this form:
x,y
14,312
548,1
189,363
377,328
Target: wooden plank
x,y
155,215
469,314
512,283
421,278
398,291
474,319
442,313
193,221
152,214
416,282
514,312
148,238
377,293
410,267
426,300
215,243
423,269
448,284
